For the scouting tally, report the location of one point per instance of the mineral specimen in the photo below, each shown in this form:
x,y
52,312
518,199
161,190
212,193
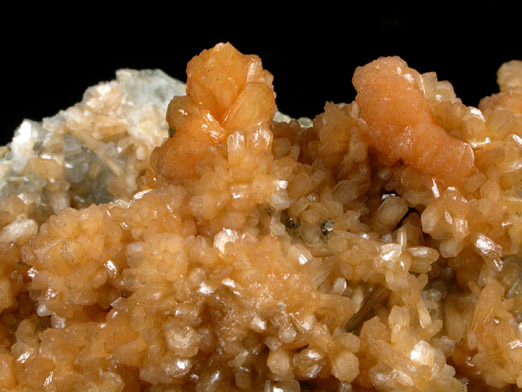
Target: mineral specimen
x,y
254,252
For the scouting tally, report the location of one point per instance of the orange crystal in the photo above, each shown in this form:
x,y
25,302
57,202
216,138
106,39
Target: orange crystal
x,y
401,125
226,90
276,256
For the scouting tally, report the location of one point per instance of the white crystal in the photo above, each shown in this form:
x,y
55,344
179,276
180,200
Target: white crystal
x,y
223,237
22,145
299,253
423,354
487,247
95,141
19,230
279,200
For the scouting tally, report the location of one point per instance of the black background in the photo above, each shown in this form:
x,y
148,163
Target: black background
x,y
49,57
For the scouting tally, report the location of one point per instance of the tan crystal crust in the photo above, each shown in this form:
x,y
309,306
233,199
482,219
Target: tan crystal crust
x,y
378,248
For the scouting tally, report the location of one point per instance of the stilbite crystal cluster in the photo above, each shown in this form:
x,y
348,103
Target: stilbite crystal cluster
x,y
256,252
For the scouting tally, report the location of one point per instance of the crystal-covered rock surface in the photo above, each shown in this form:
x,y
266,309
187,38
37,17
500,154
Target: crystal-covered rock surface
x,y
93,151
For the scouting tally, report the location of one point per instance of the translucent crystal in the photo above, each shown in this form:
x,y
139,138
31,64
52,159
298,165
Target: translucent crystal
x,y
101,143
254,254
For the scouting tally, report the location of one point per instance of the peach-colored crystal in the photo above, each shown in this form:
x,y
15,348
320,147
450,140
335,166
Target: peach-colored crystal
x,y
401,125
226,90
364,250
